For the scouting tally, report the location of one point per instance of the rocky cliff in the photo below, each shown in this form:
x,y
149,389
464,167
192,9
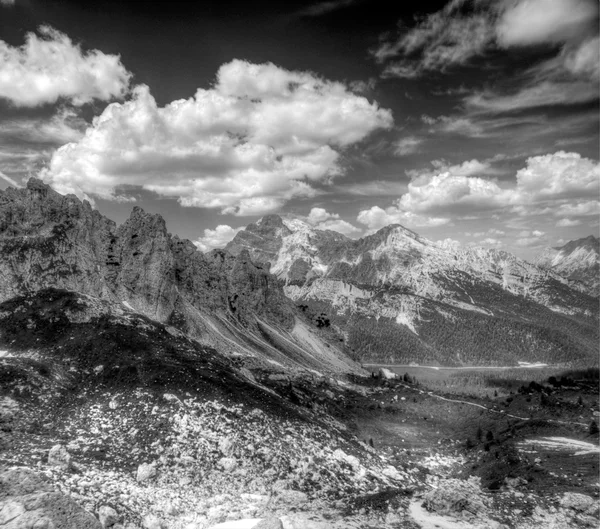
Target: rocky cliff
x,y
52,241
415,300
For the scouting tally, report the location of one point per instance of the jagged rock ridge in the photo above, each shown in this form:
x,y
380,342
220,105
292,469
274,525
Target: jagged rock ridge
x,y
52,241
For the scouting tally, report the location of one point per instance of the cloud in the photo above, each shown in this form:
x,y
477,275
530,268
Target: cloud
x,y
408,145
216,238
558,184
556,176
568,223
375,188
550,177
439,40
362,87
463,30
531,239
49,67
259,137
323,220
447,192
376,218
7,2
532,22
545,93
63,127
324,8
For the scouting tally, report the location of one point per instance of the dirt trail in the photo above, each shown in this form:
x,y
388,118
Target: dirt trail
x,y
491,410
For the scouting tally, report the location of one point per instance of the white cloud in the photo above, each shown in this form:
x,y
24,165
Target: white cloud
x,y
216,238
490,241
568,223
532,22
259,137
376,218
463,30
558,175
49,66
408,145
445,38
323,220
545,93
447,192
558,184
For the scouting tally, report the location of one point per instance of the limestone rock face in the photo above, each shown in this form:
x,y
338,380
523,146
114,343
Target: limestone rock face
x,y
27,500
47,239
50,240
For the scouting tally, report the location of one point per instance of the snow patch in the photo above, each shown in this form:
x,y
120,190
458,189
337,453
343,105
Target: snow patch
x,y
566,444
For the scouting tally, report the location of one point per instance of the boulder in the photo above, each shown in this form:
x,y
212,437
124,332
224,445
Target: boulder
x,y
59,457
108,516
145,472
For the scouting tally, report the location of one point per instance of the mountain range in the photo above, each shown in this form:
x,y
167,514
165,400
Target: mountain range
x,y
396,297
283,294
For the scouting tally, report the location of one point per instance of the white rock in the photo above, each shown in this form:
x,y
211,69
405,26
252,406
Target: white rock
x,y
152,522
108,516
145,472
59,457
10,510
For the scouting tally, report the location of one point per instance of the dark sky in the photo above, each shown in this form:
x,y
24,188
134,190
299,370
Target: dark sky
x,y
470,120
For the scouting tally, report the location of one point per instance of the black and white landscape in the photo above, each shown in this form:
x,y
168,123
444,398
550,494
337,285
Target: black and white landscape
x,y
304,265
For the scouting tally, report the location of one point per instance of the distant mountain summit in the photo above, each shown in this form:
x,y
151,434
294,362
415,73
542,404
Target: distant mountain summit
x,y
578,261
398,297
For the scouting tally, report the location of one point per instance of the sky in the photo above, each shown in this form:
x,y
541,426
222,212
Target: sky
x,y
470,120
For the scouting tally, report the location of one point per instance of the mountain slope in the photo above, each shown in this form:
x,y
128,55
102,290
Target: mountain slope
x,y
577,261
52,241
396,296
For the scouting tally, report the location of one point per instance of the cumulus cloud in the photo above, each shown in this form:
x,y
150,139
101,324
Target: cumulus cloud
x,y
216,238
556,176
49,66
323,220
376,218
558,184
259,137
